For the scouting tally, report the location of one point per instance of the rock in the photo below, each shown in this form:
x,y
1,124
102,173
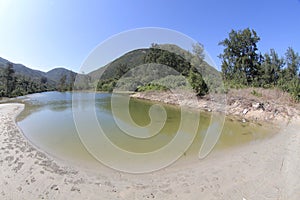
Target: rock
x,y
236,103
243,120
262,106
255,105
245,111
258,106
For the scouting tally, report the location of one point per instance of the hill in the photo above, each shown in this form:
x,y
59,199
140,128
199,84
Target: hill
x,y
165,54
203,66
199,74
120,65
23,70
57,73
211,76
53,76
19,80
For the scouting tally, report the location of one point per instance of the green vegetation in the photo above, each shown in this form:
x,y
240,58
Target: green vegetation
x,y
210,75
197,82
17,80
125,74
244,66
106,85
167,66
173,82
120,66
62,86
150,87
170,59
255,93
12,85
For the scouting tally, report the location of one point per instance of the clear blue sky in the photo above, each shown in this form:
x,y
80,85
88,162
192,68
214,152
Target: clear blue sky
x,y
44,34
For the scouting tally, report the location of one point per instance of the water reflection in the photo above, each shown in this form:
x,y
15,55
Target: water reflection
x,y
47,121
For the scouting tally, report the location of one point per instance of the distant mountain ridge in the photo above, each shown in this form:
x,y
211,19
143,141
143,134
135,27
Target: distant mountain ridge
x,y
115,68
53,75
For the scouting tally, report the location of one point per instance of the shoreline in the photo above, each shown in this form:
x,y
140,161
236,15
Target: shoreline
x,y
242,107
264,169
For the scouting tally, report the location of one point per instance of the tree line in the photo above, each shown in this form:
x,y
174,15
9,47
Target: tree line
x,y
244,66
64,84
12,85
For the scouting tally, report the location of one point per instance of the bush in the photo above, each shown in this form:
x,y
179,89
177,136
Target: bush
x,y
151,87
197,82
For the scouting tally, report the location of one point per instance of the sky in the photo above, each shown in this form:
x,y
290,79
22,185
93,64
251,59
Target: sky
x,y
44,34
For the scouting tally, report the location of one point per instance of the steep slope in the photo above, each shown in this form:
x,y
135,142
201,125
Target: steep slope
x,y
166,54
211,75
57,73
23,71
120,65
136,57
203,67
96,74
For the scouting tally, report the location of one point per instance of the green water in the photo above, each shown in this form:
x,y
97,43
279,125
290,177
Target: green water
x,y
48,123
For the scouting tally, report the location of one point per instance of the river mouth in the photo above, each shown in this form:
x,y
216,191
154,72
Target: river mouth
x,y
47,121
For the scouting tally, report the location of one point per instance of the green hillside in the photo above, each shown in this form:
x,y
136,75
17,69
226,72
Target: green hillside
x,y
17,79
53,76
211,76
57,73
165,66
165,56
120,66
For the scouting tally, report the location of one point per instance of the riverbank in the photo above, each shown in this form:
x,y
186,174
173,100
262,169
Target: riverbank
x,y
252,104
266,169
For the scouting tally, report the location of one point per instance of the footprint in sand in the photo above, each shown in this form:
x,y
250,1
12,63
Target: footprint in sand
x,y
54,187
9,158
75,189
152,196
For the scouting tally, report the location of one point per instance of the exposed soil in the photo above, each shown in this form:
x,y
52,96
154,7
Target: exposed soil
x,y
270,105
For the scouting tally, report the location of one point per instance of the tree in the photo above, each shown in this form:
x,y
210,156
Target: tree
x,y
292,63
197,82
62,83
270,69
44,80
43,83
121,70
198,56
72,80
289,78
169,59
240,59
295,89
2,83
154,45
198,50
9,79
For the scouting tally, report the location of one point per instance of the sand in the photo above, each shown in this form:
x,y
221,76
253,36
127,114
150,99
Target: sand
x,y
268,169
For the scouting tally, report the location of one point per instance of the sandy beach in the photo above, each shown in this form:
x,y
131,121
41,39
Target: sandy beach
x,y
268,169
